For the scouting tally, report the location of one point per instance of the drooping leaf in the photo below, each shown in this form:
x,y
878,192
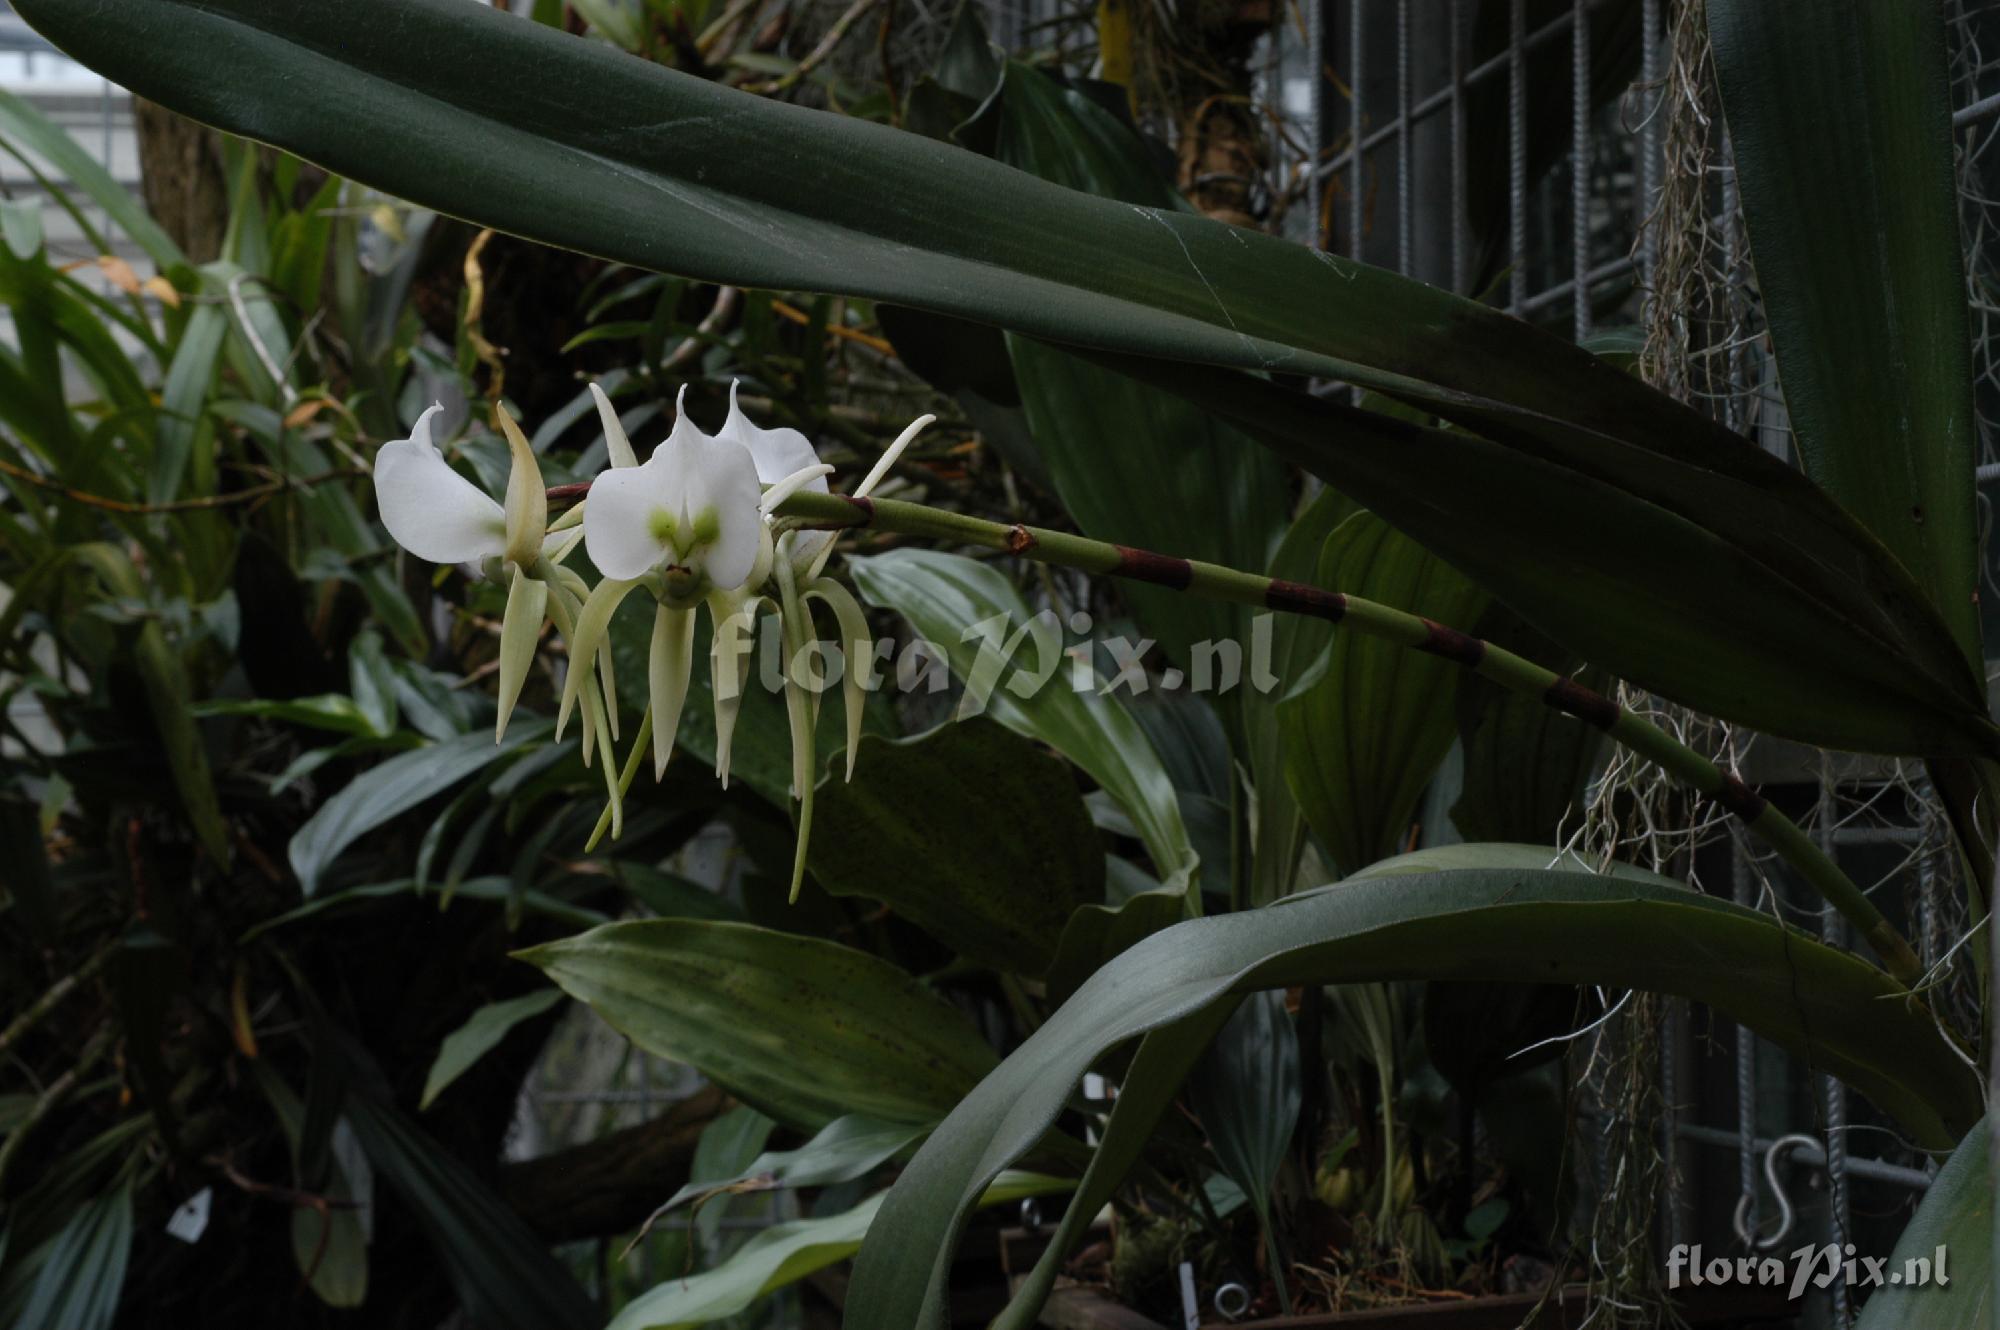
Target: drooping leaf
x,y
1845,164
1478,923
779,197
971,832
802,1029
1364,741
481,1034
1715,576
946,597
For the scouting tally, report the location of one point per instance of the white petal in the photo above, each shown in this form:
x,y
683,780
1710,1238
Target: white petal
x,y
616,445
431,510
710,473
618,517
777,452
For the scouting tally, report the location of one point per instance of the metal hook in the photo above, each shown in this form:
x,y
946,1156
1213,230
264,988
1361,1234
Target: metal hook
x,y
1231,1301
1784,1145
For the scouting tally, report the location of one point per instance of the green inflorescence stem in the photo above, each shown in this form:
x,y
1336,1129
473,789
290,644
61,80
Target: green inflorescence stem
x,y
1515,673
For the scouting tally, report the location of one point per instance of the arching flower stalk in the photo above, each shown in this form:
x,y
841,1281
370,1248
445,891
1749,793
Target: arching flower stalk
x,y
437,514
694,525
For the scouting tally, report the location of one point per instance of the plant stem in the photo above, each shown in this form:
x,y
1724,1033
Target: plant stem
x,y
1512,672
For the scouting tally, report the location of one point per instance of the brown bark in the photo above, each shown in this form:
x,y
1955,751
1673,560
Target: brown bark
x,y
610,1185
182,180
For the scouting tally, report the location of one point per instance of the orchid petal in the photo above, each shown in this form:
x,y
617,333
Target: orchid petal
x,y
618,527
777,452
527,511
591,626
731,645
669,663
616,446
520,629
719,477
430,509
795,621
567,593
858,646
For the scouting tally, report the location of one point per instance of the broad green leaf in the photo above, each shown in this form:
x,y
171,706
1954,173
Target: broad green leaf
x,y
728,1145
946,597
1845,165
784,1254
802,1029
971,832
568,141
1096,933
1130,463
505,1278
480,1035
1952,1234
1364,741
392,788
1525,764
1246,1092
1491,923
1299,654
1718,577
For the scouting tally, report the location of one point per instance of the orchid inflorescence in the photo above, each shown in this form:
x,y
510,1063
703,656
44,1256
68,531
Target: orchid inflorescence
x,y
695,524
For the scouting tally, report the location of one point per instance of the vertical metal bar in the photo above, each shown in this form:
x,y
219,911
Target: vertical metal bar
x,y
1405,243
1733,392
1650,171
1674,1033
1356,127
1458,277
1579,190
1742,883
1517,155
1832,928
1316,114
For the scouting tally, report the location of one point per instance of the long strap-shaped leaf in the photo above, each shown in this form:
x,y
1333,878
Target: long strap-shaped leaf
x,y
565,140
1840,116
1512,924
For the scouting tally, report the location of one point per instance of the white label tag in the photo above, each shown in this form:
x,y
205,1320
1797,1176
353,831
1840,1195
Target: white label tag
x,y
190,1221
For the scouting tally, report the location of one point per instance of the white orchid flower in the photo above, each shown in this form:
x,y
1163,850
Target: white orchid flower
x,y
695,522
690,512
437,514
